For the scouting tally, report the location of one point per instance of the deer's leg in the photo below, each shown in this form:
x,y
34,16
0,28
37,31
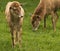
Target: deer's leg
x,y
45,22
20,37
53,21
13,33
11,30
16,37
56,17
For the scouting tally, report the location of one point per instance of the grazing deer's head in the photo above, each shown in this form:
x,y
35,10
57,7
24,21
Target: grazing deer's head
x,y
35,22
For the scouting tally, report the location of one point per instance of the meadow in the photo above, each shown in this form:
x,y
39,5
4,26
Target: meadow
x,y
41,40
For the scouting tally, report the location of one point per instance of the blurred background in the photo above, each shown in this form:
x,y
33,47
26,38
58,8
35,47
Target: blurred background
x,y
41,40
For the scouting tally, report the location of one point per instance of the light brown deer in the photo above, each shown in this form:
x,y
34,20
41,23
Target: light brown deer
x,y
14,16
44,8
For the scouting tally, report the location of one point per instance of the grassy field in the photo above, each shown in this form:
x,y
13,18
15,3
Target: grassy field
x,y
41,40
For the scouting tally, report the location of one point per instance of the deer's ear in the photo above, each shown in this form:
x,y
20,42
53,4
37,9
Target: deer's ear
x,y
10,8
21,4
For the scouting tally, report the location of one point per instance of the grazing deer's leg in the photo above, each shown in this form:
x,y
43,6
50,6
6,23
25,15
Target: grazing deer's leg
x,y
53,21
56,17
45,22
45,15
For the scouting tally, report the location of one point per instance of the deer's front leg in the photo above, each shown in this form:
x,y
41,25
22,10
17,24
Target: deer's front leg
x,y
20,37
44,22
13,33
53,21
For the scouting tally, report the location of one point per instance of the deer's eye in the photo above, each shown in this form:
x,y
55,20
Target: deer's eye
x,y
13,8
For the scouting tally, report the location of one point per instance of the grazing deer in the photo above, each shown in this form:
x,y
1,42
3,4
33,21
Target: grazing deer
x,y
44,8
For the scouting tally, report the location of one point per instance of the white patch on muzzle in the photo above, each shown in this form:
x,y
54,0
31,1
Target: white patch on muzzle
x,y
36,27
20,16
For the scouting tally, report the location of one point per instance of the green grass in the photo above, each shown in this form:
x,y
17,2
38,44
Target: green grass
x,y
41,40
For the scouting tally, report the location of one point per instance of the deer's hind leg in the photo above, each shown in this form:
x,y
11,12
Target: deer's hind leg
x,y
54,20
